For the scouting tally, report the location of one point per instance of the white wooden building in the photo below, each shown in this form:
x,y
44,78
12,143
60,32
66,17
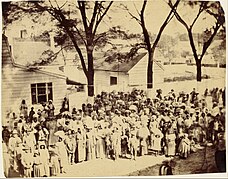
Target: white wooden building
x,y
119,76
33,85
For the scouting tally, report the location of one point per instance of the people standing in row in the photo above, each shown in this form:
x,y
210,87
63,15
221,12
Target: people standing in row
x,y
117,125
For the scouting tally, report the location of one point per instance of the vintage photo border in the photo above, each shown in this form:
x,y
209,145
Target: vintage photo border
x,y
211,175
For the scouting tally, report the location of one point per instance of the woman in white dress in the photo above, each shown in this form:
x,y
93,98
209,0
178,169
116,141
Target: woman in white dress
x,y
44,157
62,152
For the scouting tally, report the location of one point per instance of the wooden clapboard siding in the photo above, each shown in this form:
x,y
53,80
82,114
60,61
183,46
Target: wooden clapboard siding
x,y
102,81
17,86
138,74
6,55
17,80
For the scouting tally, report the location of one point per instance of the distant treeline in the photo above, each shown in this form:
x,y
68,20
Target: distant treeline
x,y
210,65
192,64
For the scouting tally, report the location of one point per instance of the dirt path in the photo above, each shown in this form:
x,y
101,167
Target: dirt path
x,y
196,163
144,166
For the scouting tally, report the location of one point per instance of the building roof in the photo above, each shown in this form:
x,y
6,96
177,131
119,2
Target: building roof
x,y
7,59
115,66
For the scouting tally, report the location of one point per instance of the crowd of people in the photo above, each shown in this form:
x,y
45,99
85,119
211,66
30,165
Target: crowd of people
x,y
128,125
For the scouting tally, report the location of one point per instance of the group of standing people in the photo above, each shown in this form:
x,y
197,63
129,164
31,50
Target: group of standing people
x,y
116,125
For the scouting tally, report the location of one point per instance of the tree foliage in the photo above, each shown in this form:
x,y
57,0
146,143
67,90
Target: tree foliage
x,y
78,21
147,42
213,9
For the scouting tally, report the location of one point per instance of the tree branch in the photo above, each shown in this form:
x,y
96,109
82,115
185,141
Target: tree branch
x,y
94,15
81,5
167,20
209,41
101,17
179,18
143,25
99,37
134,17
57,5
63,4
198,14
136,9
192,44
171,18
81,36
78,50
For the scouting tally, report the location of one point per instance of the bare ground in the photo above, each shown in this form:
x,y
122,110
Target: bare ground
x,y
197,163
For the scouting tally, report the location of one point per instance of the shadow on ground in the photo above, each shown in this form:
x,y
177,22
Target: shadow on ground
x,y
203,161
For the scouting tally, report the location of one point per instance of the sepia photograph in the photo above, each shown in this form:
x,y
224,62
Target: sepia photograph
x,y
122,88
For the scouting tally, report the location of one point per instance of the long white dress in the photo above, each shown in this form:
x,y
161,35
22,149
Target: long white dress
x,y
81,147
6,159
62,152
171,145
157,135
44,167
27,164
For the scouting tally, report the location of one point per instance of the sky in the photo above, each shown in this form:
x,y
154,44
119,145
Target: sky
x,y
155,14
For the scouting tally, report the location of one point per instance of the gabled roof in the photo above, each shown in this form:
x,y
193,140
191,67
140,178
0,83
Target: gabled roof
x,y
8,59
120,66
116,66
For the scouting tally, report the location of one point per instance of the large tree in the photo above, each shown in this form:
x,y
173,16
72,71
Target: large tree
x,y
212,9
79,22
147,44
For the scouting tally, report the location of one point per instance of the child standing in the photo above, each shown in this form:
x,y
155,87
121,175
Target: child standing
x,y
133,145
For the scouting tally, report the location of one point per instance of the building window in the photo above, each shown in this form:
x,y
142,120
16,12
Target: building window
x,y
41,92
113,80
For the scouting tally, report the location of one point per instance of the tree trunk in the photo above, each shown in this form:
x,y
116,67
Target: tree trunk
x,y
198,70
150,71
90,81
90,78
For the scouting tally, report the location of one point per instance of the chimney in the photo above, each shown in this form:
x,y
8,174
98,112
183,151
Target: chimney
x,y
52,41
23,33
